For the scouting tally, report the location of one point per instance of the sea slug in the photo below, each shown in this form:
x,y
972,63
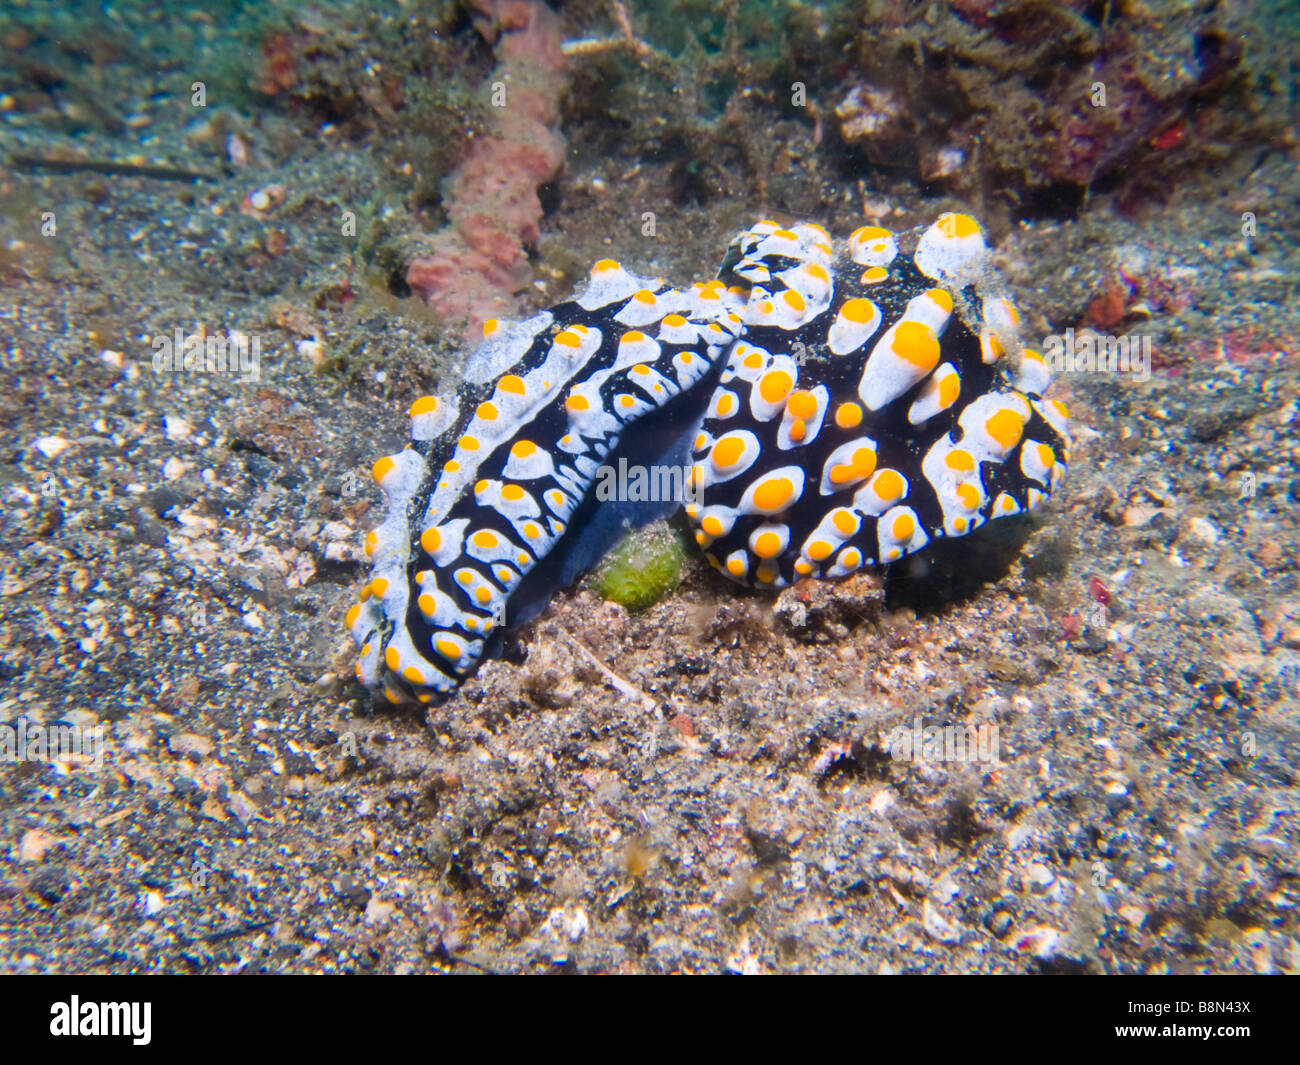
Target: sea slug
x,y
835,406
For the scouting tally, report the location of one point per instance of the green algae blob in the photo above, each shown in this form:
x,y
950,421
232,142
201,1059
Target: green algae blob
x,y
642,569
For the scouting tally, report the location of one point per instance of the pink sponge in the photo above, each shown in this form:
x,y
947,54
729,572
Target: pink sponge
x,y
478,262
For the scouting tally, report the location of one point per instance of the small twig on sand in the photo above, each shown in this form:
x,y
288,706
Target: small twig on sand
x,y
629,40
613,679
108,166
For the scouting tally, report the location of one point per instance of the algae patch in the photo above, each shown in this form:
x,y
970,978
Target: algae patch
x,y
642,569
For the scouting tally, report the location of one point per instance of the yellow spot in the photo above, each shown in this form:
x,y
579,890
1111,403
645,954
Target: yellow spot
x,y
644,296
949,390
490,326
795,301
626,401
960,460
848,415
968,495
904,527
861,465
577,403
866,233
1046,456
726,405
430,540
674,321
959,524
452,466
1060,408
480,487
845,523
393,659
532,530
568,338
424,405
753,360
851,559
701,539
727,452
353,613
512,383
382,469
785,234
482,594
687,358
487,412
712,526
736,567
372,541
958,225
819,550
522,449
889,485
413,674
858,311
428,605
379,587
916,344
700,441
802,568
469,443
817,271
798,430
393,697
447,648
632,337
766,573
512,493
802,404
774,494
941,297
775,386
484,539
1005,427
873,275
767,545
605,266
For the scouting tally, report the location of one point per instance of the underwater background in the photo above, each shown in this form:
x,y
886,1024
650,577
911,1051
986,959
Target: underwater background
x,y
664,772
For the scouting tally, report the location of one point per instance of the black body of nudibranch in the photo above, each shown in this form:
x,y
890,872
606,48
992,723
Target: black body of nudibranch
x,y
489,504
838,407
875,402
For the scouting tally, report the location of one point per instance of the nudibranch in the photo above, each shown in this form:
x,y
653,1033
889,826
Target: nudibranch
x,y
875,401
489,507
836,406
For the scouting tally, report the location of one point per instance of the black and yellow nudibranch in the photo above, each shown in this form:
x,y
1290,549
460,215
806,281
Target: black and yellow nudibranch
x,y
845,407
